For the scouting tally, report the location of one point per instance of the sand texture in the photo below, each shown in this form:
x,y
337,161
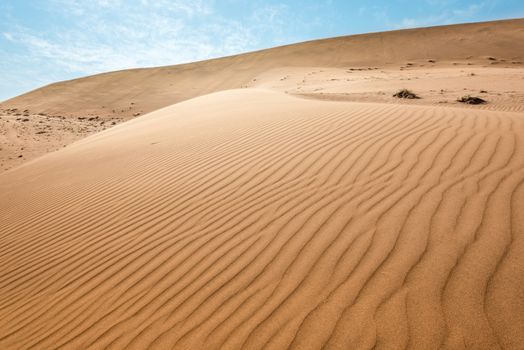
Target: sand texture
x,y
302,210
250,219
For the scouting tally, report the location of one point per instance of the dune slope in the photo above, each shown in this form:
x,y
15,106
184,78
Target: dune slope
x,y
251,219
126,93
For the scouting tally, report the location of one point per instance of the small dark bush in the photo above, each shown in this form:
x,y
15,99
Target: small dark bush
x,y
405,93
472,100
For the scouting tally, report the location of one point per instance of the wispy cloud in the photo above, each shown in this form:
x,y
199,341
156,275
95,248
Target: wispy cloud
x,y
109,35
447,12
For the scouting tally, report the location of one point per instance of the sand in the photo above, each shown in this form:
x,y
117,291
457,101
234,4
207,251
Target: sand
x,y
438,84
266,217
25,136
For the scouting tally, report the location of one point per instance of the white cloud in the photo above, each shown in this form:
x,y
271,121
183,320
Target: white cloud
x,y
423,22
436,12
8,36
450,12
469,11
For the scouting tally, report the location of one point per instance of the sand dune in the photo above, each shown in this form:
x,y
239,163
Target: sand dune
x,y
250,218
440,64
27,136
126,93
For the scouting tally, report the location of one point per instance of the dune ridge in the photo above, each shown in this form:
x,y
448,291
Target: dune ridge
x,y
250,219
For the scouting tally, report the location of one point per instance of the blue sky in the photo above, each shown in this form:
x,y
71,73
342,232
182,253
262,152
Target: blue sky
x,y
42,41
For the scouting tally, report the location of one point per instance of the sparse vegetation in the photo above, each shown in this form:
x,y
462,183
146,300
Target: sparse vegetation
x,y
405,93
471,100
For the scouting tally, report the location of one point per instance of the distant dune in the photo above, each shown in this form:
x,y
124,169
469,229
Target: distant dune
x,y
128,92
306,209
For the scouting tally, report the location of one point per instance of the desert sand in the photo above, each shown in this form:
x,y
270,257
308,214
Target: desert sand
x,y
25,136
285,199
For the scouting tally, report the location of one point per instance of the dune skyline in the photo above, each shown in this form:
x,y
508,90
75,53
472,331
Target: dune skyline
x,y
356,192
